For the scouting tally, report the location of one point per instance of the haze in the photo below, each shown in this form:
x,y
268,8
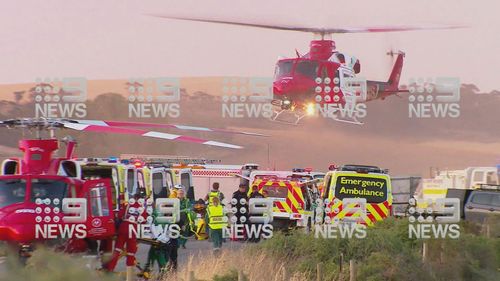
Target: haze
x,y
117,40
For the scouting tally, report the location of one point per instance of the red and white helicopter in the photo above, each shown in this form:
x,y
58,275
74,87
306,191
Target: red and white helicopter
x,y
324,78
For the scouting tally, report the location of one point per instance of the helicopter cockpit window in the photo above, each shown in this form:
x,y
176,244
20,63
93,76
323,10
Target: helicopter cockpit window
x,y
47,188
283,68
307,68
12,191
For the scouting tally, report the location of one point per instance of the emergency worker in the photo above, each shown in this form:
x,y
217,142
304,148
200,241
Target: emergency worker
x,y
216,222
187,216
214,193
133,214
240,202
255,194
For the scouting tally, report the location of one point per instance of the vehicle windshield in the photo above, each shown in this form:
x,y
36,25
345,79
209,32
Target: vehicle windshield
x,y
319,176
307,68
275,191
374,190
96,172
12,191
284,68
48,188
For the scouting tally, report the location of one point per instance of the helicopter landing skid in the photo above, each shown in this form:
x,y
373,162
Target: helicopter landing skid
x,y
350,120
277,114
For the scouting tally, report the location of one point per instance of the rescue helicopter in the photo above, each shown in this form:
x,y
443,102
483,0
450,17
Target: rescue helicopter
x,y
34,187
324,79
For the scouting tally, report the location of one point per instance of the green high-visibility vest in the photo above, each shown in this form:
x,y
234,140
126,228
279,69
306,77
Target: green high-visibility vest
x,y
216,218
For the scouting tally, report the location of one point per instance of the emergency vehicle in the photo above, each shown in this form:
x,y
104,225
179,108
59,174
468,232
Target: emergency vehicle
x,y
293,195
469,178
198,174
157,175
229,177
122,175
357,181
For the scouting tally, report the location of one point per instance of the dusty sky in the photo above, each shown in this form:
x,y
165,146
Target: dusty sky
x,y
117,40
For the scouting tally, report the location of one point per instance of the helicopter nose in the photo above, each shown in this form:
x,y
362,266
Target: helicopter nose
x,y
283,85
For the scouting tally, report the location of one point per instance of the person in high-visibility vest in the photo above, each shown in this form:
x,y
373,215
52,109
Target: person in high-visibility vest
x,y
214,193
217,220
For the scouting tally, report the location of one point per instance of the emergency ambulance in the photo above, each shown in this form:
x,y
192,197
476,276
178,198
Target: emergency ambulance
x,y
293,195
229,177
157,175
357,181
123,175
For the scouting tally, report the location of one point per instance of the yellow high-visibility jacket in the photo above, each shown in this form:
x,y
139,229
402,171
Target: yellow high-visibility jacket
x,y
216,217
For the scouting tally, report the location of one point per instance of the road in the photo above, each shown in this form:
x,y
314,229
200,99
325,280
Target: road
x,y
198,249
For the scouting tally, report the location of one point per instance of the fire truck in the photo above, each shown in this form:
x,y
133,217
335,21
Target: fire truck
x,y
357,182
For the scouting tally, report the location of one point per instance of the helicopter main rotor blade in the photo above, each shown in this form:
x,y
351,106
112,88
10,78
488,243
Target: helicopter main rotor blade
x,y
314,29
151,134
166,126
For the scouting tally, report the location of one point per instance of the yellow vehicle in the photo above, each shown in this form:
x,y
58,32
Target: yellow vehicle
x,y
158,174
158,181
292,199
154,181
122,175
357,181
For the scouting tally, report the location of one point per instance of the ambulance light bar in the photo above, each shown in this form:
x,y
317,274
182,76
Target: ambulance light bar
x,y
363,169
